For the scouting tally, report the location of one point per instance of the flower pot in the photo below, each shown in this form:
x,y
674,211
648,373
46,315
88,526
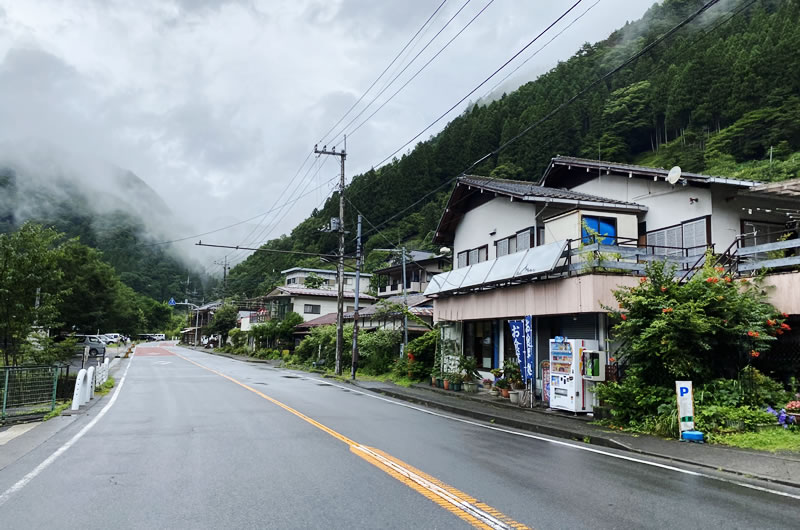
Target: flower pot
x,y
514,396
433,381
504,392
456,387
493,391
439,382
471,387
447,384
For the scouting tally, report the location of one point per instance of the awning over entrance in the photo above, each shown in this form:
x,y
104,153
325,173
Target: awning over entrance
x,y
506,269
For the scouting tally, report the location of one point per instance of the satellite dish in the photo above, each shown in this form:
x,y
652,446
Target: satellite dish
x,y
674,175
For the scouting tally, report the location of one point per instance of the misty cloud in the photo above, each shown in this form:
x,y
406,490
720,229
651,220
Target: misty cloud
x,y
215,104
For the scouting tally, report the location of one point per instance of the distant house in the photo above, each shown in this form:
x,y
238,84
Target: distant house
x,y
198,318
420,268
376,316
313,303
546,250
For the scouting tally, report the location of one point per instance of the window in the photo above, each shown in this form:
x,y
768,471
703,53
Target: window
x,y
472,257
462,259
540,235
756,233
602,226
512,244
290,281
672,240
483,253
502,247
348,281
350,309
479,343
312,309
524,239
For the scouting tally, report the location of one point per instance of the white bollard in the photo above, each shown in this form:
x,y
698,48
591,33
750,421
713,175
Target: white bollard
x,y
80,384
90,384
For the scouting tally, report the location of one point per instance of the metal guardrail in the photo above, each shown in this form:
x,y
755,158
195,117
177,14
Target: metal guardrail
x,y
27,390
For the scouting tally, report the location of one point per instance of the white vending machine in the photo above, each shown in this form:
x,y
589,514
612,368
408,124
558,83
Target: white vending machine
x,y
575,364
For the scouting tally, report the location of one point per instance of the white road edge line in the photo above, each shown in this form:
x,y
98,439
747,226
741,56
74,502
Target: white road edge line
x,y
354,389
58,452
562,443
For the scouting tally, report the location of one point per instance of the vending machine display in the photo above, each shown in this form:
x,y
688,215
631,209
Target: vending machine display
x,y
570,382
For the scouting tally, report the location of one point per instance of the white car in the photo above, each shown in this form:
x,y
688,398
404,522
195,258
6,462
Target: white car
x,y
113,337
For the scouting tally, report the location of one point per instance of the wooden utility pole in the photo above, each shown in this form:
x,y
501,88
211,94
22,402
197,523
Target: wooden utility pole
x,y
340,295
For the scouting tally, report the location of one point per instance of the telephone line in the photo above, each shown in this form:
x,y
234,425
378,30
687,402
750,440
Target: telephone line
x,y
345,128
459,102
399,54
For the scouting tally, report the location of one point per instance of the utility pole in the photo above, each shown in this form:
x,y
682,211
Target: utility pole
x,y
405,306
225,268
340,295
355,310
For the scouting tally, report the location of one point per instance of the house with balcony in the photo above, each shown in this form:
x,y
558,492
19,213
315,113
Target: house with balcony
x,y
420,267
548,250
382,315
312,303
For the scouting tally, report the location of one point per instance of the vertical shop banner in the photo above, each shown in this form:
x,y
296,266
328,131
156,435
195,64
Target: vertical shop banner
x,y
685,405
530,353
518,336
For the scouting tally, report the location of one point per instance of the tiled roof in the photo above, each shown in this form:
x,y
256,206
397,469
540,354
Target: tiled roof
x,y
618,167
519,188
324,320
302,291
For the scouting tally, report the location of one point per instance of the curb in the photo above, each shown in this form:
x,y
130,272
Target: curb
x,y
564,433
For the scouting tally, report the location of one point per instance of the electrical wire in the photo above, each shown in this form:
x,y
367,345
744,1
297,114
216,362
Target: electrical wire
x,y
399,54
345,128
459,102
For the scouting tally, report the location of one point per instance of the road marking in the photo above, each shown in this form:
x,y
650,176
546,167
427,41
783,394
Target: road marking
x,y
58,452
14,431
456,502
351,388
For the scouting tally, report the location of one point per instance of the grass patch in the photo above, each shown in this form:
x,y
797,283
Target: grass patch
x,y
772,440
106,387
61,407
386,378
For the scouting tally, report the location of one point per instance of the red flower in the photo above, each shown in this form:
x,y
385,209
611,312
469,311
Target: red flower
x,y
785,315
663,289
779,332
745,280
667,310
786,327
712,279
754,353
752,334
770,322
719,269
728,279
623,316
642,280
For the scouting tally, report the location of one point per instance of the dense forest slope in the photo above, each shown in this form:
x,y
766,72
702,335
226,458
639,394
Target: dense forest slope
x,y
716,97
107,208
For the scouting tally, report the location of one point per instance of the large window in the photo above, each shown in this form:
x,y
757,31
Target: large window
x,y
605,228
518,242
691,236
311,309
757,233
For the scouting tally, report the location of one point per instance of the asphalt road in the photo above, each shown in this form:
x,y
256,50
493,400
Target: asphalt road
x,y
227,444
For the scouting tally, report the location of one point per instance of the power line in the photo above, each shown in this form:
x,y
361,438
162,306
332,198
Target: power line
x,y
534,54
399,54
437,120
345,128
421,69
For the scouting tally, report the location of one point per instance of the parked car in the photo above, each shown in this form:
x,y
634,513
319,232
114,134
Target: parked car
x,y
96,346
115,337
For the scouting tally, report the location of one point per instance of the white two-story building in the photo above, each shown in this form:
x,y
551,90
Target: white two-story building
x,y
521,248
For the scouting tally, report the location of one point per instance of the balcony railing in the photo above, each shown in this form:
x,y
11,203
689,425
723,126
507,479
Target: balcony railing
x,y
397,288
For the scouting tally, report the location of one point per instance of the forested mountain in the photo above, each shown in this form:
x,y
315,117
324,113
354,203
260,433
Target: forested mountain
x,y
715,97
105,207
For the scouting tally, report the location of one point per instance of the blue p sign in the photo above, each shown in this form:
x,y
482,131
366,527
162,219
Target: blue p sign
x,y
683,391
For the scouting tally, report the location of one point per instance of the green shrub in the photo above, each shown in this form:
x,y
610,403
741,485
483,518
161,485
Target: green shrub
x,y
720,419
632,401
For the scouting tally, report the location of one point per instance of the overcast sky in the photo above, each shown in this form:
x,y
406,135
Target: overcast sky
x,y
215,104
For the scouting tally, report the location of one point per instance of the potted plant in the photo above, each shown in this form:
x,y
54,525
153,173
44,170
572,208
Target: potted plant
x,y
502,384
487,384
793,409
435,374
455,382
470,367
446,379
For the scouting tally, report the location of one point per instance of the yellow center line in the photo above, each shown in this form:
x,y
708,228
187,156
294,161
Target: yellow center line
x,y
451,499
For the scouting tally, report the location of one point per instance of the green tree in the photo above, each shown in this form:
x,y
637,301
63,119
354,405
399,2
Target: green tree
x,y
314,281
225,318
710,326
30,286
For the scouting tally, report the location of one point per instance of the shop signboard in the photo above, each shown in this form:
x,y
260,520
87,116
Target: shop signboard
x,y
520,345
